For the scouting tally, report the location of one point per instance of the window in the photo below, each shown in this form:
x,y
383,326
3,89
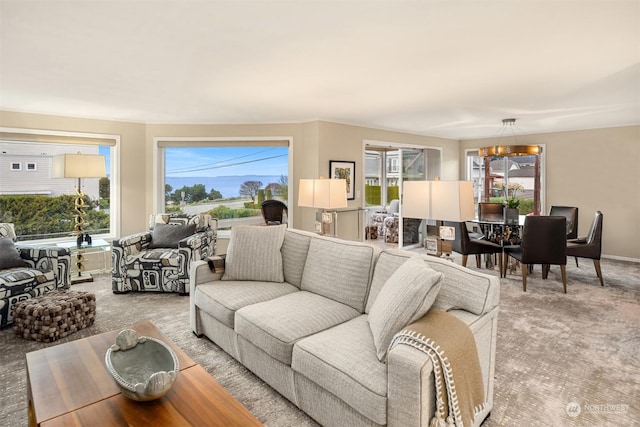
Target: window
x,y
41,207
508,177
225,178
15,166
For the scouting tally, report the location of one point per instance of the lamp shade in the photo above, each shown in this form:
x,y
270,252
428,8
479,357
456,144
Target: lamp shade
x,y
78,166
322,193
416,199
439,200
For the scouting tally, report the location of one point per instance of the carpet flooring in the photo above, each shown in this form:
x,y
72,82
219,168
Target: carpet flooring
x,y
562,359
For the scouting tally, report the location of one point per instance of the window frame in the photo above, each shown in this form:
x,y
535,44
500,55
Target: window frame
x,y
161,142
81,138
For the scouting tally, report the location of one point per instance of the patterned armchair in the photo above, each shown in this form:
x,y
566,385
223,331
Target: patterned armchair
x,y
158,260
38,270
379,219
410,229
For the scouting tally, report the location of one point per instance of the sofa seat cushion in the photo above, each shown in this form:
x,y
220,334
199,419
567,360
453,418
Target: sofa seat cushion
x,y
17,281
275,326
343,361
221,299
163,257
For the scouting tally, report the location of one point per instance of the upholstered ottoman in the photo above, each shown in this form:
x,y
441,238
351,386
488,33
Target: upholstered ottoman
x,y
54,315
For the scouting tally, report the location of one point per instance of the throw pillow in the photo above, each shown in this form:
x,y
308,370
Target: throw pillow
x,y
404,298
254,253
9,255
168,235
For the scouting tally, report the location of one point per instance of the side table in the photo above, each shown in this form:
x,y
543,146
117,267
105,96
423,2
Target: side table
x,y
77,253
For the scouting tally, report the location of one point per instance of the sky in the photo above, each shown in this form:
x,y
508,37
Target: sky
x,y
226,161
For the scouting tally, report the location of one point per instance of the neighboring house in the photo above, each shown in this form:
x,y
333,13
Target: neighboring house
x,y
28,170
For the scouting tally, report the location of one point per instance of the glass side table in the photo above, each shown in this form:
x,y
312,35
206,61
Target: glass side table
x,y
78,256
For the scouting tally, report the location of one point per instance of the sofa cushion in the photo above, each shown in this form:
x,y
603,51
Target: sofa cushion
x,y
343,361
339,270
405,297
222,299
276,325
294,254
462,288
9,255
254,253
169,235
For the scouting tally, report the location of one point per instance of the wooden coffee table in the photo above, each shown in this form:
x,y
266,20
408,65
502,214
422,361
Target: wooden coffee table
x,y
68,385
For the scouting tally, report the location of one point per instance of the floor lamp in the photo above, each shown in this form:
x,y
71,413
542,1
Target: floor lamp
x,y
323,194
440,201
79,166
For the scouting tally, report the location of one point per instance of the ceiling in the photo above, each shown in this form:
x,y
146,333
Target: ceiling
x,y
452,69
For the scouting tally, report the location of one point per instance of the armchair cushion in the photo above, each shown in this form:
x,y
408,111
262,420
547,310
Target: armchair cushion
x,y
404,298
254,254
168,235
9,255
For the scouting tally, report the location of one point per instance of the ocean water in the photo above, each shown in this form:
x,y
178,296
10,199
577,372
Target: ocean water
x,y
229,186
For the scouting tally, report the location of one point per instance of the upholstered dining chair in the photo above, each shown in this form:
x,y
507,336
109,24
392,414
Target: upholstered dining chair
x,y
273,211
589,246
490,211
465,245
571,213
544,241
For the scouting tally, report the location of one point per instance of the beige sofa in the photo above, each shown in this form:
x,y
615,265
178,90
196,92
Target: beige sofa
x,y
298,310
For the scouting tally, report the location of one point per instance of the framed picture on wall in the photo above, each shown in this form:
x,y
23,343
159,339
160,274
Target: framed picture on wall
x,y
339,169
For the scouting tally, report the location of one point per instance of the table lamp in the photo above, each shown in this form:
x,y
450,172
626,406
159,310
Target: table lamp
x,y
323,194
440,201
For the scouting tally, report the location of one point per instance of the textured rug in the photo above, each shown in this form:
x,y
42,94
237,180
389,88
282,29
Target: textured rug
x,y
562,359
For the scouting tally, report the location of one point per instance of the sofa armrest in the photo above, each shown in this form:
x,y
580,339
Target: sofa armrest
x,y
199,273
411,397
411,383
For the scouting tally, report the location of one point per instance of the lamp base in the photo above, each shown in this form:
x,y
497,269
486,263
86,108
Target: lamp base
x,y
81,278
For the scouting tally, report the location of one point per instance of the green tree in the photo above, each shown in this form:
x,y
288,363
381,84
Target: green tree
x,y
104,188
260,197
193,194
167,191
250,189
214,194
284,187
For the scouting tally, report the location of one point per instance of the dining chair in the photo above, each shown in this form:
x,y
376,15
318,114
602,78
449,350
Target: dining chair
x,y
589,246
465,245
273,211
491,211
571,213
544,241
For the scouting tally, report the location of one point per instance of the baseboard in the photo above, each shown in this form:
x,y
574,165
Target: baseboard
x,y
621,258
